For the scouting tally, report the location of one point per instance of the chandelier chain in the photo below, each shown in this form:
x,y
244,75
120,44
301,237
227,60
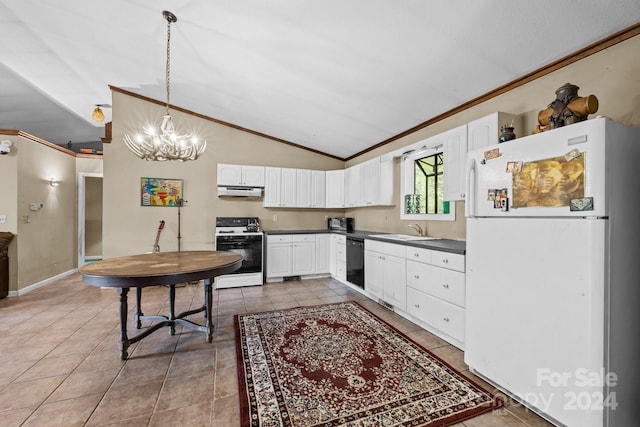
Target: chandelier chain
x,y
168,65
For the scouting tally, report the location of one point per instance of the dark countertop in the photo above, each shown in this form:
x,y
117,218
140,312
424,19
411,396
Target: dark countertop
x,y
444,245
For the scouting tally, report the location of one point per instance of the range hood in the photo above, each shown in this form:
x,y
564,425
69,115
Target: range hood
x,y
227,190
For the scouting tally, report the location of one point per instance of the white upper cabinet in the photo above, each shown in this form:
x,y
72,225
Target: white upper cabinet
x,y
310,188
318,184
485,131
241,175
455,157
370,182
280,187
335,187
352,186
288,185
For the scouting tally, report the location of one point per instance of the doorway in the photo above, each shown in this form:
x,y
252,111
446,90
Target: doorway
x,y
89,218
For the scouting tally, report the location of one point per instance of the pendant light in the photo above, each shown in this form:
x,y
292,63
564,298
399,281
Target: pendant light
x,y
166,143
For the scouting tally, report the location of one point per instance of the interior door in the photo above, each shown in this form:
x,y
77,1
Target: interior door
x,y
89,217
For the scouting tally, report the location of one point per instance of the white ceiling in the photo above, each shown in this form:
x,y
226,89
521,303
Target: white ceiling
x,y
333,75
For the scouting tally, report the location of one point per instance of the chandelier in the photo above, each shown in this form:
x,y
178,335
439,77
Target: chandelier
x,y
165,143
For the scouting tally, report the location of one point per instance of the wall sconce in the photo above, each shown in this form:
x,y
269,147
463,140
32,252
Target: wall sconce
x,y
53,182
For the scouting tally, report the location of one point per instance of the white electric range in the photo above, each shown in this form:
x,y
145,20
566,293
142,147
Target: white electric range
x,y
241,235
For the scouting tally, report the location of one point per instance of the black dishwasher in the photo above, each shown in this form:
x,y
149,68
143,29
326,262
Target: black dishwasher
x,y
355,261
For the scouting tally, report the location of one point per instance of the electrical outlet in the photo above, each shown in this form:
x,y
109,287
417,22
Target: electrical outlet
x,y
275,218
26,219
3,219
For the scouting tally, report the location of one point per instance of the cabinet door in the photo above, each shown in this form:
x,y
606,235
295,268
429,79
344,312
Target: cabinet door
x,y
370,182
335,187
455,158
304,258
386,181
317,189
333,250
394,286
485,130
273,178
229,174
303,188
341,260
279,260
373,273
288,187
253,176
352,179
323,253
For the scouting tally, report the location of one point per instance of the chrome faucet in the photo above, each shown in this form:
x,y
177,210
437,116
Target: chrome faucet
x,y
418,229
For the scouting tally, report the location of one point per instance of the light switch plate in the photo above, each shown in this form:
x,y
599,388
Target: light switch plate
x,y
3,219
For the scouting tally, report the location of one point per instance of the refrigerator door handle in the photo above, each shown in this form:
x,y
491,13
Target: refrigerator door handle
x,y
470,204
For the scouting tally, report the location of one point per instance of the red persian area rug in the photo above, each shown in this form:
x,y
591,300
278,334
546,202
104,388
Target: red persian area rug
x,y
340,365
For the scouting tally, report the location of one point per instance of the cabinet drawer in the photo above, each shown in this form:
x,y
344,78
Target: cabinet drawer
x,y
385,248
448,260
341,251
446,317
419,254
300,238
341,270
442,283
279,238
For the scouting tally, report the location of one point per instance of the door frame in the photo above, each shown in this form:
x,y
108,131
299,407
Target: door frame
x,y
81,212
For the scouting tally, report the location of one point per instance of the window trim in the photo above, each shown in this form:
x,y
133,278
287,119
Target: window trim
x,y
407,183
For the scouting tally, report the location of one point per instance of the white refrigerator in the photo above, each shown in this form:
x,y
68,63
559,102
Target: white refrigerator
x,y
553,272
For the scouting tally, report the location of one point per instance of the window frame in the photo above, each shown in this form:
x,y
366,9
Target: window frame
x,y
407,185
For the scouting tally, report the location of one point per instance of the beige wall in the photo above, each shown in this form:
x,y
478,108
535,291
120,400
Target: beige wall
x,y
130,228
46,245
613,75
54,223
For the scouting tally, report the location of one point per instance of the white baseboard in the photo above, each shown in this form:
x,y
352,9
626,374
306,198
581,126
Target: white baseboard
x,y
41,283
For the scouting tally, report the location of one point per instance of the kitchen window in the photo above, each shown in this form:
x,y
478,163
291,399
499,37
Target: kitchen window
x,y
428,183
423,174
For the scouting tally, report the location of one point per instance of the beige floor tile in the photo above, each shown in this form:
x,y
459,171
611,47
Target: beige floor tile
x,y
60,359
23,394
193,415
52,366
64,413
126,403
15,417
84,383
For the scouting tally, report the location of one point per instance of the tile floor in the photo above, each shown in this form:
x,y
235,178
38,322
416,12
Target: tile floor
x,y
60,364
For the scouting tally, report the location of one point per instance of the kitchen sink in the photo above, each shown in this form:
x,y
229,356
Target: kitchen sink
x,y
403,237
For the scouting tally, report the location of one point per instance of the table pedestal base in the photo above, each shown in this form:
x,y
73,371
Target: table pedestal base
x,y
171,320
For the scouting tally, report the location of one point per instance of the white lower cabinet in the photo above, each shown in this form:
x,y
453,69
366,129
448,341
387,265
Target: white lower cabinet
x,y
323,244
279,251
338,257
297,255
303,254
436,292
385,272
445,317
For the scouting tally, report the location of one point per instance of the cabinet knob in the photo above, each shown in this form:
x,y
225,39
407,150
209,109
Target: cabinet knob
x,y
446,319
445,260
446,286
417,255
416,305
417,276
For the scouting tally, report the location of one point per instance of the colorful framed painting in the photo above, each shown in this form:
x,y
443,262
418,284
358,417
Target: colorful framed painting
x,y
160,192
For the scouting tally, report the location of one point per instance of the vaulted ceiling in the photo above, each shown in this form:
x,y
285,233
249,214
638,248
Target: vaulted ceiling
x,y
332,75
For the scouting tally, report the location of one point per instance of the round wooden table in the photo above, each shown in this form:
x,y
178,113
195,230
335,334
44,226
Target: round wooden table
x,y
156,269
